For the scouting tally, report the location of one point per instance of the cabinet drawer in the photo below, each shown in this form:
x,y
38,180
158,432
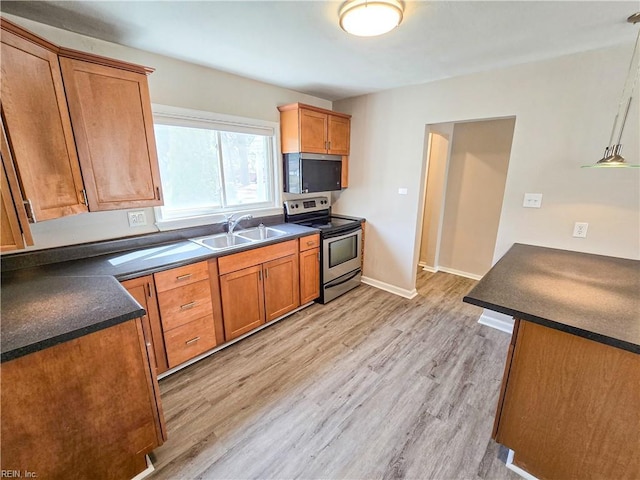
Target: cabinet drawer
x,y
184,304
238,261
190,340
309,242
178,277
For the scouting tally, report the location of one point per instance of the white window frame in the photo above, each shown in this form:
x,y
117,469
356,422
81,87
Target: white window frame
x,y
168,115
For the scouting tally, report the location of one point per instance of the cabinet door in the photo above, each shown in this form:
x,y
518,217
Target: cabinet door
x,y
143,290
92,398
313,131
111,115
34,110
309,275
281,291
339,131
242,301
14,227
570,406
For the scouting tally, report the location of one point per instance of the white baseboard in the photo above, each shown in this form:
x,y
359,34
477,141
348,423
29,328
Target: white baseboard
x,y
427,268
503,324
422,264
387,287
517,469
460,273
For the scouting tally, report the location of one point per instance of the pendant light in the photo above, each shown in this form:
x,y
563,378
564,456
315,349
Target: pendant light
x,y
612,156
369,18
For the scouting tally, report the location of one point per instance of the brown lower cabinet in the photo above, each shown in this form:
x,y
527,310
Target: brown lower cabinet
x,y
82,408
197,307
309,268
258,286
189,303
568,406
144,291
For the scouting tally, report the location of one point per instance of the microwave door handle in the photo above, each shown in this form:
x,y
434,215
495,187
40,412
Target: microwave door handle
x,y
351,277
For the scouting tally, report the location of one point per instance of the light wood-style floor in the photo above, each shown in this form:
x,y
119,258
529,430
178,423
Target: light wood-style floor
x,y
369,386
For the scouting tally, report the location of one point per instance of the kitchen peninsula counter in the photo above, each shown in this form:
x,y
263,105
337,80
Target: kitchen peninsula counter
x,y
568,405
592,296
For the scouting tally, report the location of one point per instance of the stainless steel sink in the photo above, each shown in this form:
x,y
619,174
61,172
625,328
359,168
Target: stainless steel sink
x,y
256,234
221,241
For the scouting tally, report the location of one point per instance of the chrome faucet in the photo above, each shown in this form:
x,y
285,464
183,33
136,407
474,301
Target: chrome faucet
x,y
232,223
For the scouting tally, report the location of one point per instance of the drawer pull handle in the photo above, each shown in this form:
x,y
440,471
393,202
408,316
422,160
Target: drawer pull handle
x,y
187,306
310,242
193,340
184,277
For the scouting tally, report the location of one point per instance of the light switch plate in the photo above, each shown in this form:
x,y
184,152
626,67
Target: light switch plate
x,y
532,200
137,219
402,191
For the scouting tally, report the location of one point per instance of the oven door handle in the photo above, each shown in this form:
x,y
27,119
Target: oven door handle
x,y
343,233
351,277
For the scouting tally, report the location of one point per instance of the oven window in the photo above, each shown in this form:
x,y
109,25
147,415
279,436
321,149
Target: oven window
x,y
341,251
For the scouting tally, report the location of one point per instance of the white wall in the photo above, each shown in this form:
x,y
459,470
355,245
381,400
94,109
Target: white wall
x,y
564,110
434,198
476,179
175,83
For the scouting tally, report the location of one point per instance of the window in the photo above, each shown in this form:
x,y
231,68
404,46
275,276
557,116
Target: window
x,y
211,165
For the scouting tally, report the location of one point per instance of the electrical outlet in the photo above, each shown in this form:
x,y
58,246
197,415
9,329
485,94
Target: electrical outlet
x,y
580,229
137,219
403,191
532,200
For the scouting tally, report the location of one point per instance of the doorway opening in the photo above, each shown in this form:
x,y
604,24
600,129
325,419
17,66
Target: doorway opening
x,y
466,172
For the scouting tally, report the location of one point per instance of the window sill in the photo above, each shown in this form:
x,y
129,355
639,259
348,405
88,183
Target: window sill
x,y
198,221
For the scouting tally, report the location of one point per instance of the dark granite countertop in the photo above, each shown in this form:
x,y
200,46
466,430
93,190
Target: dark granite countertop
x,y
593,296
48,304
43,312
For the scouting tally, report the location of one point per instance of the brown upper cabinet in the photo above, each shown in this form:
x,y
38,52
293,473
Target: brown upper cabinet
x,y
35,114
14,230
304,128
79,128
112,121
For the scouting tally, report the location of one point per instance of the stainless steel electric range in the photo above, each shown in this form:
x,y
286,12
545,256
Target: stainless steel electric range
x,y
341,240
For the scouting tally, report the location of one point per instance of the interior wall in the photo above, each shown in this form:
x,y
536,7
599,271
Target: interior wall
x,y
475,187
434,197
564,107
175,83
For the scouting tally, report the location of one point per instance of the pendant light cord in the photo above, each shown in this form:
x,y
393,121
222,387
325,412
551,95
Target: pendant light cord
x,y
624,89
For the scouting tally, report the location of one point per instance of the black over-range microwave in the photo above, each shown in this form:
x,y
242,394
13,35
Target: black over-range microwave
x,y
312,172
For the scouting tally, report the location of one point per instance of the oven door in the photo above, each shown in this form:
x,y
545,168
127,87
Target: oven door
x,y
340,254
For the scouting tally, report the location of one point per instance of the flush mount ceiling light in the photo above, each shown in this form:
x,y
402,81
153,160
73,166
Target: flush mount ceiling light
x,y
366,18
612,157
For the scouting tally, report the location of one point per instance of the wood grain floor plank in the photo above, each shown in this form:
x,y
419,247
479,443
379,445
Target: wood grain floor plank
x,y
370,385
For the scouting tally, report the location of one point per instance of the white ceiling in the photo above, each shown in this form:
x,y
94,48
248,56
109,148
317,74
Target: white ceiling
x,y
299,45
